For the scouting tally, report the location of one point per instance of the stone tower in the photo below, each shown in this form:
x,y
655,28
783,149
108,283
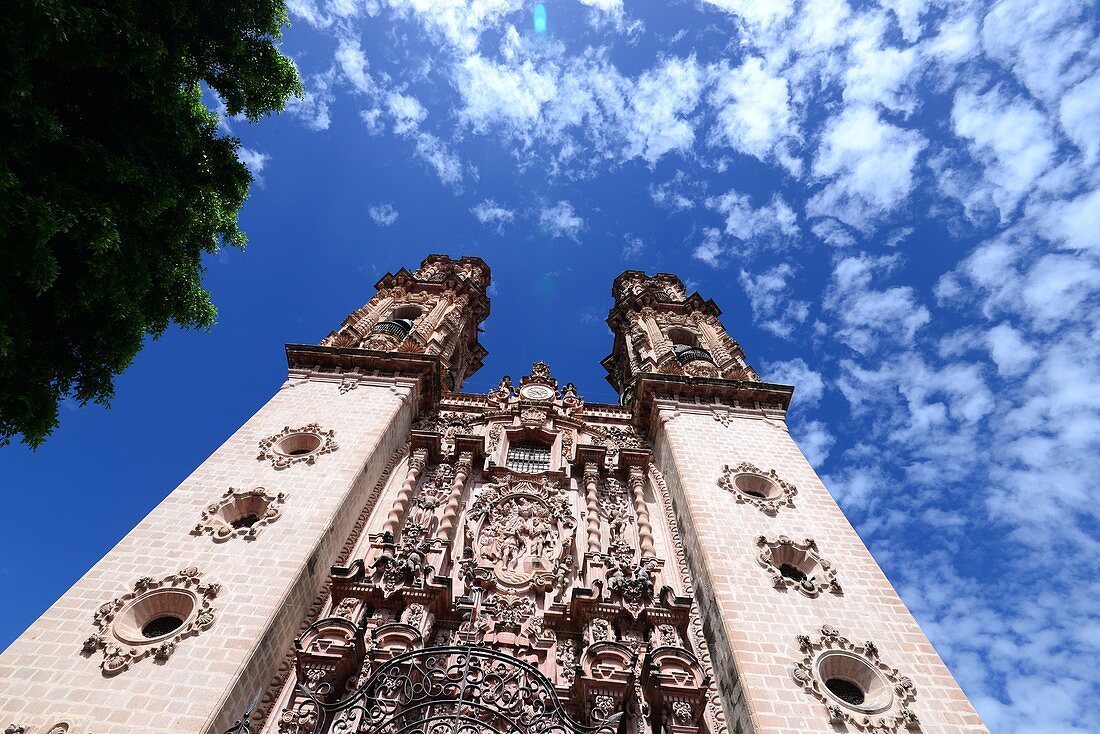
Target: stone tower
x,y
375,551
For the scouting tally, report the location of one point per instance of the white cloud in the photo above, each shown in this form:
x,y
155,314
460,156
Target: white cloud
x,y
632,247
757,12
406,111
353,64
491,213
710,249
383,214
870,165
312,108
1010,137
675,194
773,307
659,103
1075,223
254,160
1079,112
495,94
446,164
868,316
815,440
753,114
771,224
808,383
1012,355
560,220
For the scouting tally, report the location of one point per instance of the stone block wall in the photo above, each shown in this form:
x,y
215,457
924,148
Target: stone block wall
x,y
266,585
753,626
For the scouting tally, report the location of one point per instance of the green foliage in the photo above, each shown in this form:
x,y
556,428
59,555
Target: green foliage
x,y
115,179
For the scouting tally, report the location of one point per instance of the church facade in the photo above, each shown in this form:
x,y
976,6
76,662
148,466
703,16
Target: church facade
x,y
377,551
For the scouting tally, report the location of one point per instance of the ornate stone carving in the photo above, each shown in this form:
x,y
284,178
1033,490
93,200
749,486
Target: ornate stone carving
x,y
797,565
404,564
448,424
566,658
763,490
521,529
240,513
501,392
124,626
512,611
632,582
297,445
885,695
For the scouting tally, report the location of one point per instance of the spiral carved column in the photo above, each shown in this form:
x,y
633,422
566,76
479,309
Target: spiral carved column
x,y
417,462
591,478
463,467
641,511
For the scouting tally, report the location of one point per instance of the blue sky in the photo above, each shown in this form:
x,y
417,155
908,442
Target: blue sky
x,y
895,204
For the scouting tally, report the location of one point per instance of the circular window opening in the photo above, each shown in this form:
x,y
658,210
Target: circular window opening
x,y
845,690
154,615
299,444
161,626
757,486
854,681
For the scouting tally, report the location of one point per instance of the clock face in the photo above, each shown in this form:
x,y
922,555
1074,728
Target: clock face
x,y
536,392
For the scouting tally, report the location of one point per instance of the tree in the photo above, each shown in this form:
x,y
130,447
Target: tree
x,y
115,180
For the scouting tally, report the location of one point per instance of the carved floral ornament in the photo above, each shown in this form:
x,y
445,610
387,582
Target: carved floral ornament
x,y
240,513
856,687
797,565
297,446
152,619
763,490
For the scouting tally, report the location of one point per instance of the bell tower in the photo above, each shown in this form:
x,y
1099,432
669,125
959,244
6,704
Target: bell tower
x,y
434,311
805,631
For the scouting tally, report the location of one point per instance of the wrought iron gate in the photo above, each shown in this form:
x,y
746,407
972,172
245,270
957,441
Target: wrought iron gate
x,y
450,690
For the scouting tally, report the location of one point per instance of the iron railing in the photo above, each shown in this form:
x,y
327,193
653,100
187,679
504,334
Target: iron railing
x,y
687,354
399,328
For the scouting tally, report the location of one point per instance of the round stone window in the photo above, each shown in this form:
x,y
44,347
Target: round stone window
x,y
755,485
154,616
853,681
298,444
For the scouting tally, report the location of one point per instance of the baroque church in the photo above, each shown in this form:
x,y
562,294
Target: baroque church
x,y
376,551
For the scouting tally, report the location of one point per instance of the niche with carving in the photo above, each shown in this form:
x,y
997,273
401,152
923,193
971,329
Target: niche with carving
x,y
796,565
240,513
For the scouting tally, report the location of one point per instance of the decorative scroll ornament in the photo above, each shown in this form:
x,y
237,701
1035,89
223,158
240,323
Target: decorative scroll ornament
x,y
297,446
466,689
123,624
763,490
521,531
240,513
885,694
797,565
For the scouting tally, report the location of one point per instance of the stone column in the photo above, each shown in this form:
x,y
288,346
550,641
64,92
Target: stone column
x,y
417,462
463,467
641,511
591,478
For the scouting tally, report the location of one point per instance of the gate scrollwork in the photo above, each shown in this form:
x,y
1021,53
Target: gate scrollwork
x,y
451,690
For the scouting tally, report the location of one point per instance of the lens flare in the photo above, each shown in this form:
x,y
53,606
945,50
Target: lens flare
x,y
540,18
